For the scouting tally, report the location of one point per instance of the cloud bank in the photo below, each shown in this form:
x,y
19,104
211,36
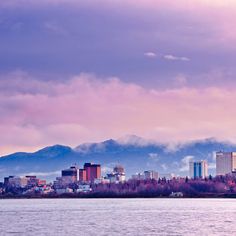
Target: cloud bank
x,y
84,108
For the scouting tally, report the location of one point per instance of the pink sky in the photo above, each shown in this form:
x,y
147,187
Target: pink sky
x,y
85,108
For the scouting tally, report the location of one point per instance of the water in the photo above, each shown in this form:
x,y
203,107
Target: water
x,y
118,217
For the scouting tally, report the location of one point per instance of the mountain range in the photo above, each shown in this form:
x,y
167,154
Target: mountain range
x,y
135,154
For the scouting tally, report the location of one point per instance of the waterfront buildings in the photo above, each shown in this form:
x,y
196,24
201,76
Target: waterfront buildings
x,y
148,183
198,169
34,181
82,175
151,174
93,171
23,182
118,174
69,175
26,185
225,163
18,182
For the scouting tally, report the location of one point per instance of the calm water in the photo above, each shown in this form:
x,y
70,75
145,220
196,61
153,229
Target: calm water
x,y
118,217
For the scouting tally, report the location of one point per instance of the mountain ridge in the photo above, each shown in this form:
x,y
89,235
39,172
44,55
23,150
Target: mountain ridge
x,y
135,157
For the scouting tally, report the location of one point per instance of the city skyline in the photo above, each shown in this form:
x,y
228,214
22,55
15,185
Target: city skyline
x,y
89,182
117,117
90,172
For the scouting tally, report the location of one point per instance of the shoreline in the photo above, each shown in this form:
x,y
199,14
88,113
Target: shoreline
x,y
69,196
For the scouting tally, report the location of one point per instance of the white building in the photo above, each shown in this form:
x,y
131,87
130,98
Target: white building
x,y
150,174
225,162
198,169
118,175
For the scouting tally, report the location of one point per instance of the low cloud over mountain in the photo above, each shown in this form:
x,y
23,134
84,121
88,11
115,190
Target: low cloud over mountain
x,y
136,154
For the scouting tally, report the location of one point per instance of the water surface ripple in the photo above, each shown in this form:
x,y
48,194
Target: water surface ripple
x,y
118,217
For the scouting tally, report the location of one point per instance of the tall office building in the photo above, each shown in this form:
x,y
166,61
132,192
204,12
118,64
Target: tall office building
x,y
225,162
198,169
150,174
69,175
82,175
93,171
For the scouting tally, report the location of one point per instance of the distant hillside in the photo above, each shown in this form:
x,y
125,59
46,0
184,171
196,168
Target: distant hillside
x,y
136,154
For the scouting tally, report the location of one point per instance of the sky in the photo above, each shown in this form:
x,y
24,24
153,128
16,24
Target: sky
x,y
75,71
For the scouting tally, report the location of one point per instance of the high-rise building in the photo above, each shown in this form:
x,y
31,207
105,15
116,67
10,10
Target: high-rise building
x,y
150,174
82,175
69,175
198,169
118,174
225,162
93,171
